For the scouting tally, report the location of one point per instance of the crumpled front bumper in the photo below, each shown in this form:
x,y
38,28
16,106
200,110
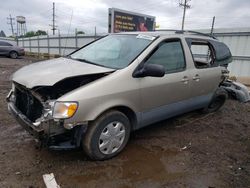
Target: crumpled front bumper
x,y
52,134
25,122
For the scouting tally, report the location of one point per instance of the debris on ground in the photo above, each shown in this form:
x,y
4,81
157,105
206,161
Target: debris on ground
x,y
50,181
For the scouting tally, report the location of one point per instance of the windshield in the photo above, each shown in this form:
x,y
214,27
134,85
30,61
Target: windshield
x,y
113,51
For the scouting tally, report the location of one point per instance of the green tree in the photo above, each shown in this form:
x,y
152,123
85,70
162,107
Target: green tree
x,y
30,34
80,32
33,33
41,32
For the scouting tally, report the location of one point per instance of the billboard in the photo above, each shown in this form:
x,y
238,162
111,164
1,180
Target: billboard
x,y
123,21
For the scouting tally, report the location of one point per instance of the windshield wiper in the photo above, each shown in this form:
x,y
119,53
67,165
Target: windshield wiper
x,y
85,61
89,62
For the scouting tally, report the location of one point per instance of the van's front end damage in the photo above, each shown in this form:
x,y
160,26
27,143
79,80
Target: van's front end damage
x,y
45,120
33,99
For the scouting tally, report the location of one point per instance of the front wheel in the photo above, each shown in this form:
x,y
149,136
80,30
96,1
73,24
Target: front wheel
x,y
13,55
107,136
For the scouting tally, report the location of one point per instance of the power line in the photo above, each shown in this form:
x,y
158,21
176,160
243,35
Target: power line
x,y
11,23
185,6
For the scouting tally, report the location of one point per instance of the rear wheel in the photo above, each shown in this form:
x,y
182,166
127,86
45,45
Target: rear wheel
x,y
13,54
217,101
107,136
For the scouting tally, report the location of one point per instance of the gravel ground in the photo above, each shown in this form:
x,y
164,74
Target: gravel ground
x,y
192,150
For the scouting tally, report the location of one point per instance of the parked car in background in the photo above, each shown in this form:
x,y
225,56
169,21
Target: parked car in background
x,y
10,49
122,82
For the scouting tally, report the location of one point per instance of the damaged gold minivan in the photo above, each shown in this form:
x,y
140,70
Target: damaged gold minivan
x,y
94,97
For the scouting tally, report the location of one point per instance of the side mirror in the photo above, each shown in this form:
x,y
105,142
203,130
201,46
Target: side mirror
x,y
153,70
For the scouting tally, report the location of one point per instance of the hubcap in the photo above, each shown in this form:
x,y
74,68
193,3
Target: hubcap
x,y
112,137
13,55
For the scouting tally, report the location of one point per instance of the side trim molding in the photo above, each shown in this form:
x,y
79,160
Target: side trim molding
x,y
171,110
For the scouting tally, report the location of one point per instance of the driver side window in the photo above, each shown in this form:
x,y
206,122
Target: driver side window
x,y
170,55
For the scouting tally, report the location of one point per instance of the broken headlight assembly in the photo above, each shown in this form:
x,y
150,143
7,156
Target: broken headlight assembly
x,y
64,110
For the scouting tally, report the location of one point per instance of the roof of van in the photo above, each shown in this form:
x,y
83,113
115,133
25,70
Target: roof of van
x,y
172,32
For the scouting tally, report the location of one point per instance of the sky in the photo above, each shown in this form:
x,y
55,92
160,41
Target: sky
x,y
85,15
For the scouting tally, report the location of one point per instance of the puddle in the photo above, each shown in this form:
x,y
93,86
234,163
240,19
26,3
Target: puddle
x,y
136,164
144,164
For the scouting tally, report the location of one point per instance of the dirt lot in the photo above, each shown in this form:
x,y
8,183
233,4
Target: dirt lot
x,y
193,150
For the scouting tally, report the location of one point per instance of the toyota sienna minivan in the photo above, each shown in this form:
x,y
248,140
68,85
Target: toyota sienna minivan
x,y
94,97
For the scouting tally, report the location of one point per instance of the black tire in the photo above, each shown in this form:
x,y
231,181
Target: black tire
x,y
13,54
218,100
92,138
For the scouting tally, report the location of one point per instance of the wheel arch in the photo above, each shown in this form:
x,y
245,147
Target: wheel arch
x,y
13,51
220,94
125,110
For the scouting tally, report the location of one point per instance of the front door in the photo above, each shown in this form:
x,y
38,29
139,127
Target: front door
x,y
165,96
4,48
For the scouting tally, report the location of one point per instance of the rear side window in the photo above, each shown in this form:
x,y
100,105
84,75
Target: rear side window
x,y
2,43
203,54
223,55
170,55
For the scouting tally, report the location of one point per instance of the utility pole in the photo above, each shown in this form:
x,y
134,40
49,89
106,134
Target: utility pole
x,y
185,6
11,23
53,20
53,27
95,32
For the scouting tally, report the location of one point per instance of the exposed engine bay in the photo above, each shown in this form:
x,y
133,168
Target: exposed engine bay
x,y
64,86
34,106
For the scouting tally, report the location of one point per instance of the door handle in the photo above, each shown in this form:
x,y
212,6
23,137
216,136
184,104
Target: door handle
x,y
185,80
196,77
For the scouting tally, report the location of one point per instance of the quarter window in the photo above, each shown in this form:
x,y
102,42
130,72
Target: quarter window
x,y
170,55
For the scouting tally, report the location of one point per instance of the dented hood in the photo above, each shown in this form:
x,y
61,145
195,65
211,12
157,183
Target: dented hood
x,y
47,73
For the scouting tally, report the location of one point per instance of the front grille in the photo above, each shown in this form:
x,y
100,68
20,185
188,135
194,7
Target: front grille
x,y
27,103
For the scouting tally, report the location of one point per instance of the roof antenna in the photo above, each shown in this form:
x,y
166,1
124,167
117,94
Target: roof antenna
x,y
68,33
212,27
